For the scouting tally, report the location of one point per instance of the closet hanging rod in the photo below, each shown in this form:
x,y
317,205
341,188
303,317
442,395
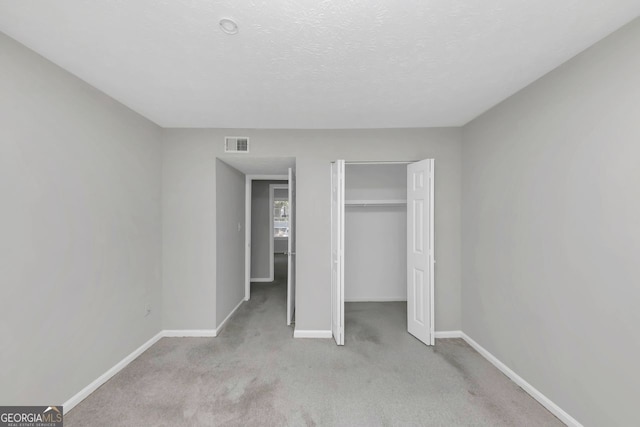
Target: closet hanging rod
x,y
375,203
407,162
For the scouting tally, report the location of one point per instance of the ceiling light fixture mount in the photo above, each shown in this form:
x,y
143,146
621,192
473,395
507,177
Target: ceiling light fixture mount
x,y
228,26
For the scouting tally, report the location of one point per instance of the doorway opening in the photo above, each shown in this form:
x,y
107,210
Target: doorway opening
x,y
265,261
266,241
270,234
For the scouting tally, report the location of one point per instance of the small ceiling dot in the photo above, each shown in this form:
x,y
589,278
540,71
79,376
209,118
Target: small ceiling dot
x,y
228,26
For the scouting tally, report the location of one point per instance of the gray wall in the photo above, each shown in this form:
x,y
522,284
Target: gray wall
x,y
188,249
260,229
281,193
80,230
189,213
551,232
376,237
230,222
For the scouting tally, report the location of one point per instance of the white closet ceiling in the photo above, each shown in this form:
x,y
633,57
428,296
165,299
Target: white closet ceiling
x,y
310,63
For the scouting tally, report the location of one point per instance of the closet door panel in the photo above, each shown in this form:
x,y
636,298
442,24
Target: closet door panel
x,y
420,260
337,251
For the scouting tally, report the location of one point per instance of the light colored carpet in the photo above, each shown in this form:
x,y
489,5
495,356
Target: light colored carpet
x,y
255,373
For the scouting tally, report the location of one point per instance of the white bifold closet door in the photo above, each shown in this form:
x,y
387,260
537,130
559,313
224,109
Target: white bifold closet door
x,y
291,252
337,251
420,259
420,250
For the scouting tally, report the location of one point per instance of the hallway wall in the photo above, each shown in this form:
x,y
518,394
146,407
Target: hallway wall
x,y
230,232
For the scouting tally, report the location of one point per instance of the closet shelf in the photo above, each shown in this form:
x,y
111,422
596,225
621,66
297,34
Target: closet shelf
x,y
375,202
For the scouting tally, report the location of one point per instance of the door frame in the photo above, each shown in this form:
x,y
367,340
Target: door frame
x,y
247,226
337,177
291,248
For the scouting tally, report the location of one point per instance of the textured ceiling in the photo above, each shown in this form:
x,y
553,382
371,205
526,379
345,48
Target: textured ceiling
x,y
311,63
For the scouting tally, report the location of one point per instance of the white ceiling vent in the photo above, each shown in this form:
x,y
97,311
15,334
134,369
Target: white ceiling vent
x,y
236,144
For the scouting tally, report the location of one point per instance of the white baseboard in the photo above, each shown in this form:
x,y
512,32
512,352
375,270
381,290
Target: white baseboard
x,y
189,333
221,325
260,280
312,334
377,299
85,392
533,392
169,333
173,333
448,334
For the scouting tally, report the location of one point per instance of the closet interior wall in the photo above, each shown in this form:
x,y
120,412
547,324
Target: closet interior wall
x,y
375,232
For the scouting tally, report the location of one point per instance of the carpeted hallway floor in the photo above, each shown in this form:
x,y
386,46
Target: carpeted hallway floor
x,y
255,373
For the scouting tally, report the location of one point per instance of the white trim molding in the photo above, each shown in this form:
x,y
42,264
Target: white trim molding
x,y
169,333
377,299
85,392
297,333
448,334
226,319
189,333
261,280
247,238
531,390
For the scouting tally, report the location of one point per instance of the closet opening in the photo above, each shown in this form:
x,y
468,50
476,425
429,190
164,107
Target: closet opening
x,y
375,286
382,250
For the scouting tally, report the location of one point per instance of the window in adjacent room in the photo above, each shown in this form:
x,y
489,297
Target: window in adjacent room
x,y
280,218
